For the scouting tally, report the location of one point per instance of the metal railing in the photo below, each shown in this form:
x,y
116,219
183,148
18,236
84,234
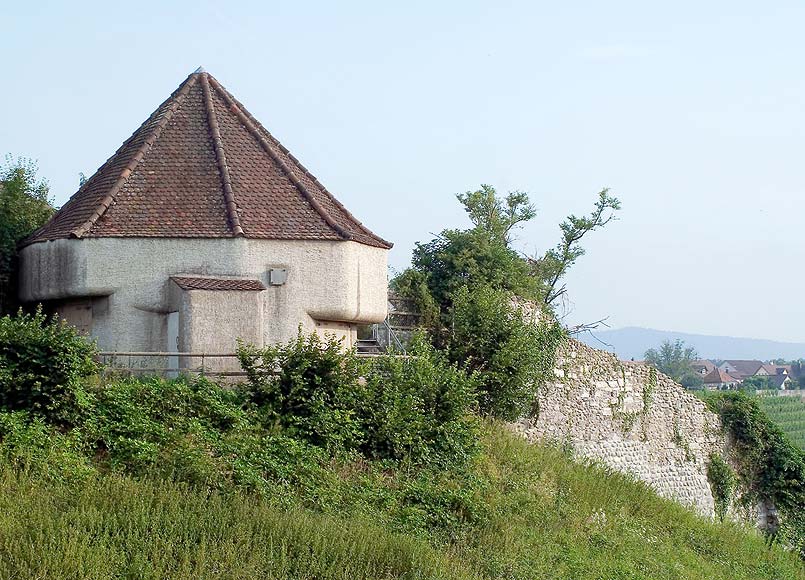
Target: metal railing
x,y
391,337
142,362
178,363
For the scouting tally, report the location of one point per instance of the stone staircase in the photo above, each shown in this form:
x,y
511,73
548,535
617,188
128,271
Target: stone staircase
x,y
369,346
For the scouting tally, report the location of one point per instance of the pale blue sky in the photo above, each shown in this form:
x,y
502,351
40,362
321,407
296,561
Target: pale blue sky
x,y
693,113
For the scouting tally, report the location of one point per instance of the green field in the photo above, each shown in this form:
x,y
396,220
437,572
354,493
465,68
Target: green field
x,y
788,413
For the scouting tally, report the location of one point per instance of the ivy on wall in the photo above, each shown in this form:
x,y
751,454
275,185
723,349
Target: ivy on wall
x,y
723,483
769,467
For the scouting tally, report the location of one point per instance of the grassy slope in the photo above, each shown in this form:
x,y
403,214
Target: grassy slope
x,y
789,414
548,517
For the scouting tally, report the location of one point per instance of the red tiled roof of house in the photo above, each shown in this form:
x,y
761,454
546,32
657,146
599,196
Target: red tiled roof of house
x,y
717,376
202,167
193,283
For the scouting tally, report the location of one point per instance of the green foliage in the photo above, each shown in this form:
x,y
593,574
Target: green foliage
x,y
118,527
495,216
28,443
756,383
459,258
418,408
723,483
307,387
415,409
675,360
43,366
482,255
510,354
770,467
465,281
195,432
24,206
413,284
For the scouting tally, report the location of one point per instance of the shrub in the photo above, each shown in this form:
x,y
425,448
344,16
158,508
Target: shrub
x,y
307,387
417,408
511,355
43,366
32,445
157,424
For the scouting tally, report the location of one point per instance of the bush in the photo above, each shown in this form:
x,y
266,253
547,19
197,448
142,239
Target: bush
x,y
510,354
30,444
417,408
307,387
43,366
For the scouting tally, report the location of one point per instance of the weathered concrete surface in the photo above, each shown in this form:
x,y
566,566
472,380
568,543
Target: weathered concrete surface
x,y
631,418
125,284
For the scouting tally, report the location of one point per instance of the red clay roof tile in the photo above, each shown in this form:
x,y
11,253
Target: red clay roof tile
x,y
202,167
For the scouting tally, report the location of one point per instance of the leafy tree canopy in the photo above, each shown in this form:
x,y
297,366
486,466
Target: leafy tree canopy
x,y
482,255
465,283
676,360
24,204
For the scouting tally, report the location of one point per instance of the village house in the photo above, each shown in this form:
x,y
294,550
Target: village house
x,y
742,369
202,229
719,380
702,366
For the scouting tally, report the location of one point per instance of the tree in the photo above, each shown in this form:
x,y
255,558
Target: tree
x,y
676,360
467,283
756,383
497,216
554,264
483,254
24,207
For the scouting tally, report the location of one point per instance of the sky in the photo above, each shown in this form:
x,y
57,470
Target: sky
x,y
693,113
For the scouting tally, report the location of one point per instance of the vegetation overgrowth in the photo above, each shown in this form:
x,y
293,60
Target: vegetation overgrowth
x,y
769,466
539,515
155,478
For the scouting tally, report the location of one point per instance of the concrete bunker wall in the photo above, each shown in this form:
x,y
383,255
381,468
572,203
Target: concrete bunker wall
x,y
125,284
632,418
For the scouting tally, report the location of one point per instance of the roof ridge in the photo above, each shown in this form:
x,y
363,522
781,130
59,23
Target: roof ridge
x,y
334,199
246,119
220,157
304,169
104,204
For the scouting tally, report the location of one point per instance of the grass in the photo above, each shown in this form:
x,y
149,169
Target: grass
x,y
539,515
117,527
788,413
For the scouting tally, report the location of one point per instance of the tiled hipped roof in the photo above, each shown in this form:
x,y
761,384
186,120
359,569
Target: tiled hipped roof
x,y
202,167
717,376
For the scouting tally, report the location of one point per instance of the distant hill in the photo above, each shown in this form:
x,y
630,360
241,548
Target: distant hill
x,y
633,342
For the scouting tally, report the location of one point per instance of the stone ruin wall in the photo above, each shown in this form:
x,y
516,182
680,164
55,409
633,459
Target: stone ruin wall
x,y
633,419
